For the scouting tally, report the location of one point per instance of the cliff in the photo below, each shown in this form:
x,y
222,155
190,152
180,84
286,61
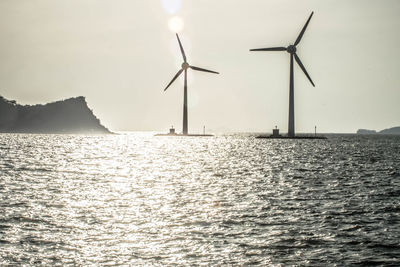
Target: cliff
x,y
67,116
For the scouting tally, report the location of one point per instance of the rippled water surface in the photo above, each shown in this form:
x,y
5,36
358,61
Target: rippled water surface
x,y
135,199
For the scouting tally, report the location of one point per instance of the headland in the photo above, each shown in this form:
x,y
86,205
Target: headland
x,y
66,116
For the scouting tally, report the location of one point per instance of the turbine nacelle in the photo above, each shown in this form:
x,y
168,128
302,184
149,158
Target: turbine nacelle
x,y
185,65
291,49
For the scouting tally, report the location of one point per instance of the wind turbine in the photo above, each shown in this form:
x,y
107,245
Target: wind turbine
x,y
184,68
291,49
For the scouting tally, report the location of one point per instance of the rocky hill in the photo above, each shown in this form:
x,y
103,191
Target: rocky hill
x,y
365,131
393,130
67,116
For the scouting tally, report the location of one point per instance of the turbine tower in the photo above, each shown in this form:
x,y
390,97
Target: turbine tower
x,y
291,49
184,69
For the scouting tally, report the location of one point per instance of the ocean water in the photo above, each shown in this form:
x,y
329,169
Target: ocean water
x,y
231,200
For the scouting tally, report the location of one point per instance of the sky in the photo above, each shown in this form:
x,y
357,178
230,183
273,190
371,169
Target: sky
x,y
120,55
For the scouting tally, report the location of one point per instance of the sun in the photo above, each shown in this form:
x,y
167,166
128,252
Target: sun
x,y
176,24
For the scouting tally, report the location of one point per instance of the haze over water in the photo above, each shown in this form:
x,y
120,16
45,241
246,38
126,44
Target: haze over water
x,y
141,200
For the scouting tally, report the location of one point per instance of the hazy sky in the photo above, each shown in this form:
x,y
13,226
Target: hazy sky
x,y
120,54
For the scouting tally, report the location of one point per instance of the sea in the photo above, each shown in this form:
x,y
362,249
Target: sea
x,y
134,199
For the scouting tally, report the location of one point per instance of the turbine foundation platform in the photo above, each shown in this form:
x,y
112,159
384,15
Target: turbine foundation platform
x,y
185,135
287,137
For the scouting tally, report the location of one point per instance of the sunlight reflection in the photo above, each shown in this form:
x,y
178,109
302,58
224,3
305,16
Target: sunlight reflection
x,y
139,200
176,24
171,6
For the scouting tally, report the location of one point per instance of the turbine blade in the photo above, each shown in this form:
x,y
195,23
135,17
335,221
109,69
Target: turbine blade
x,y
270,49
303,30
182,51
176,76
200,69
303,68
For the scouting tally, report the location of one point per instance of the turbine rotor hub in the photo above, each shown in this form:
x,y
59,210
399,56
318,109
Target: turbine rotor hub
x,y
185,65
291,49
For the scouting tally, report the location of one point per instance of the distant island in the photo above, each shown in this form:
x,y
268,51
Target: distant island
x,y
393,130
67,116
